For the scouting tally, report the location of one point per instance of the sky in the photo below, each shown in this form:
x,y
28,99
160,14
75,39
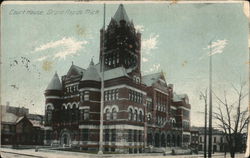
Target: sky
x,y
41,39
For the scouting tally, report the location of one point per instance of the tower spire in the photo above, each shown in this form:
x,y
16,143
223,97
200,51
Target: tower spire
x,y
121,14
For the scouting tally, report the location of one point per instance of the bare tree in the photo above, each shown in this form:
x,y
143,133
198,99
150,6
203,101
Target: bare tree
x,y
232,118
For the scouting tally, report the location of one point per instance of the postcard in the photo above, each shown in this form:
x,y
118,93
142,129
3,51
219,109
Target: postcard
x,y
147,78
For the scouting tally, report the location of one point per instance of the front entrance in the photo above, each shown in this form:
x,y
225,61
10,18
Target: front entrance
x,y
65,139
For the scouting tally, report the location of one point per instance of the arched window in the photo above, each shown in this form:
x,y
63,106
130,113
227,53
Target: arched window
x,y
107,114
114,114
140,116
130,114
136,115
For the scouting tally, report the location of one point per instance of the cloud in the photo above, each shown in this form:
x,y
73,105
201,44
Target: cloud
x,y
150,43
67,46
139,28
217,47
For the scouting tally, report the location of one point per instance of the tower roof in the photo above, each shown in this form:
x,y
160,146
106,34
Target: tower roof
x,y
55,83
91,73
75,70
121,14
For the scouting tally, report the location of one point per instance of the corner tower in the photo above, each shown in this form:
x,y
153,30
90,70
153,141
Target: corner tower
x,y
122,44
53,103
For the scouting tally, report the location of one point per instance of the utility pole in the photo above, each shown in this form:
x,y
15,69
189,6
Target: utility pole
x,y
204,96
102,84
210,104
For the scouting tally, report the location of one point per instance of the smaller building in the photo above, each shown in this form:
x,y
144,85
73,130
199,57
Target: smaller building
x,y
194,143
18,127
218,140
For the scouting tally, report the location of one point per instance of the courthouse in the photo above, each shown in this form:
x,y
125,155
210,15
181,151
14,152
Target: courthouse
x,y
139,111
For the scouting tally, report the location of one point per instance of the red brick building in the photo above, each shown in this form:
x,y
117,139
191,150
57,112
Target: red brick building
x,y
138,110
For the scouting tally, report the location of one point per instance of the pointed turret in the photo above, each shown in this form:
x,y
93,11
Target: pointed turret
x,y
91,74
121,14
55,83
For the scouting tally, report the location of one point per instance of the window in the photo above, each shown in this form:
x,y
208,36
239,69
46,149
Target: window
x,y
109,95
112,94
135,135
130,115
106,131
105,95
49,113
86,95
114,114
81,114
117,58
81,97
130,135
116,94
140,116
140,136
201,139
149,118
135,115
107,114
113,135
130,95
85,134
214,139
86,114
136,96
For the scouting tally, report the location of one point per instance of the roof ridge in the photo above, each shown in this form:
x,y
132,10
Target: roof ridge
x,y
151,74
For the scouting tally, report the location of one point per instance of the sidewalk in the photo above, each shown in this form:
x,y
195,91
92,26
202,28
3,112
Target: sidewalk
x,y
64,154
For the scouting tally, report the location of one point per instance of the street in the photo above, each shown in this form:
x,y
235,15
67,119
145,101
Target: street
x,y
30,153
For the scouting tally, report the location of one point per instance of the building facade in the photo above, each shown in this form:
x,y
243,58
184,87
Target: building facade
x,y
18,127
139,111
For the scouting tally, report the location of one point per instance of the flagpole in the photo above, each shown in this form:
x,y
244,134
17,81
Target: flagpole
x,y
102,85
210,103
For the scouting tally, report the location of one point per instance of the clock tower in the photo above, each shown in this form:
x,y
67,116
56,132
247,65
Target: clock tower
x,y
122,43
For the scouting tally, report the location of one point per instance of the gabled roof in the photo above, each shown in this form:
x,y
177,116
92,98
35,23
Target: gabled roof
x,y
19,119
151,78
75,70
121,14
55,83
91,73
7,117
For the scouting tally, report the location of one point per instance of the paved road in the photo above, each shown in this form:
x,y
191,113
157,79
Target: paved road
x,y
28,153
17,155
